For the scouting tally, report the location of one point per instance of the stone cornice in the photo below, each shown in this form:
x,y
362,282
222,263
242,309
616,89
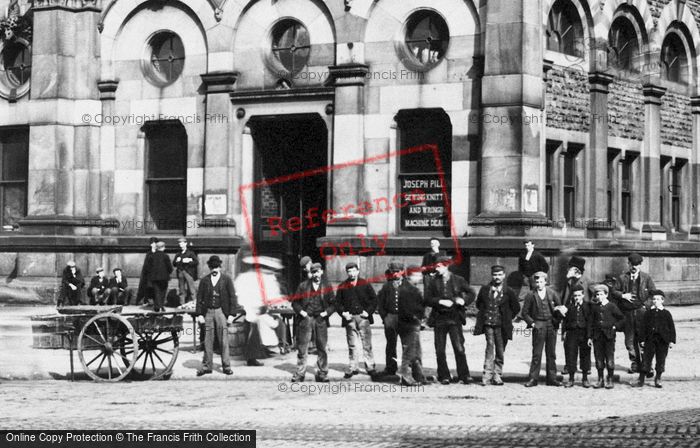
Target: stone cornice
x,y
600,81
347,75
67,5
653,93
219,82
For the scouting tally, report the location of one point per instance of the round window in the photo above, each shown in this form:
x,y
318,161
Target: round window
x,y
426,39
167,57
291,45
17,63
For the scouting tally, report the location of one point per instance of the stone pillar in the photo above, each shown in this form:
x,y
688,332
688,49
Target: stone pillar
x,y
615,189
348,145
694,183
595,159
64,180
665,165
107,155
649,163
512,87
216,162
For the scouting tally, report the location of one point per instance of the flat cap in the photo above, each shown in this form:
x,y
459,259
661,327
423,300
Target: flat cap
x,y
497,268
351,265
316,267
395,266
444,259
304,261
601,287
657,292
540,274
100,269
635,259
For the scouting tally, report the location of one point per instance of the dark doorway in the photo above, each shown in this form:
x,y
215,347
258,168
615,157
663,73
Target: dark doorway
x,y
288,145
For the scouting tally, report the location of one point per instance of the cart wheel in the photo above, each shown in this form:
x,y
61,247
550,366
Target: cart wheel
x,y
107,347
157,355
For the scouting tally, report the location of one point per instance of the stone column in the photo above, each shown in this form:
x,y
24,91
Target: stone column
x,y
64,180
694,183
219,178
649,163
512,87
595,159
348,145
107,154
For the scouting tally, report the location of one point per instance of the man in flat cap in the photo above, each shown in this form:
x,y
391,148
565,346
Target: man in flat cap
x,y
216,304
574,279
606,319
72,284
98,291
388,309
119,288
314,306
634,286
542,313
449,294
498,305
185,263
355,301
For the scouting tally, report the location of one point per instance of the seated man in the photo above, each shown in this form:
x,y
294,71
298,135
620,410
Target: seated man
x,y
119,288
72,284
99,291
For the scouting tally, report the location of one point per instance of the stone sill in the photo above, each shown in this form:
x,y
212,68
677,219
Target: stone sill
x,y
17,242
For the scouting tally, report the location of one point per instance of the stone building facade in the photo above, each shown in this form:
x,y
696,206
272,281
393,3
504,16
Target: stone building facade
x,y
575,123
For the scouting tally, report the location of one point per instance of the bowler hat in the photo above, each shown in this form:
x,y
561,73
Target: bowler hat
x,y
635,259
577,262
214,262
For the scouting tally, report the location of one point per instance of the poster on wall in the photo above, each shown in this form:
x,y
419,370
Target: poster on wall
x,y
426,210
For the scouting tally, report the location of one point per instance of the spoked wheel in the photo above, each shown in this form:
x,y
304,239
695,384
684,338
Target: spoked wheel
x,y
157,355
107,347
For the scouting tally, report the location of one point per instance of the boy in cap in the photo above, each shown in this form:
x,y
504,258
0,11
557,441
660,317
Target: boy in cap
x,y
575,334
574,278
449,294
98,291
541,310
72,284
355,301
185,263
216,304
118,287
606,318
658,334
634,286
498,305
314,307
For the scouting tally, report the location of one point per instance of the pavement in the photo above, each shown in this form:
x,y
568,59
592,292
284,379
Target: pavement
x,y
19,361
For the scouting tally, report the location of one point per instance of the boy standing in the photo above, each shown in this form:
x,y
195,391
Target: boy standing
x,y
575,334
658,335
607,317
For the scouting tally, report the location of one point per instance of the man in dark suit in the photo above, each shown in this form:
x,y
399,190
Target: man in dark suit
x,y
575,334
410,315
313,308
634,285
449,295
658,334
606,319
119,288
185,263
158,275
72,284
498,305
530,262
388,309
541,311
145,290
355,301
216,303
99,291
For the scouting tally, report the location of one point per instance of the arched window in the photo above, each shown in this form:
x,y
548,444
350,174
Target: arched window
x,y
427,38
674,60
291,45
623,50
167,57
564,29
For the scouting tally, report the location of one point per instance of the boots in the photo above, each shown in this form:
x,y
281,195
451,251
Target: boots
x,y
600,384
609,379
639,382
657,381
585,382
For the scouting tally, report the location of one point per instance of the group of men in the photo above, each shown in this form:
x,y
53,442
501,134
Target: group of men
x,y
101,291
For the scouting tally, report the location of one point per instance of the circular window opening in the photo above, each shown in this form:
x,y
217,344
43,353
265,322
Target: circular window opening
x,y
427,39
291,45
167,58
17,63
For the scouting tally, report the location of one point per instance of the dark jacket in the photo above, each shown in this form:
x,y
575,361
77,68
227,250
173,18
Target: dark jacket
x,y
356,299
160,268
532,303
569,321
457,287
536,263
191,267
144,281
229,304
411,309
118,285
430,260
67,277
567,291
660,322
509,308
323,298
624,285
100,284
605,320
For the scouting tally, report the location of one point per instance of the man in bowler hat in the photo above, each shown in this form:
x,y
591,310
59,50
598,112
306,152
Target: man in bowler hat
x,y
216,303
